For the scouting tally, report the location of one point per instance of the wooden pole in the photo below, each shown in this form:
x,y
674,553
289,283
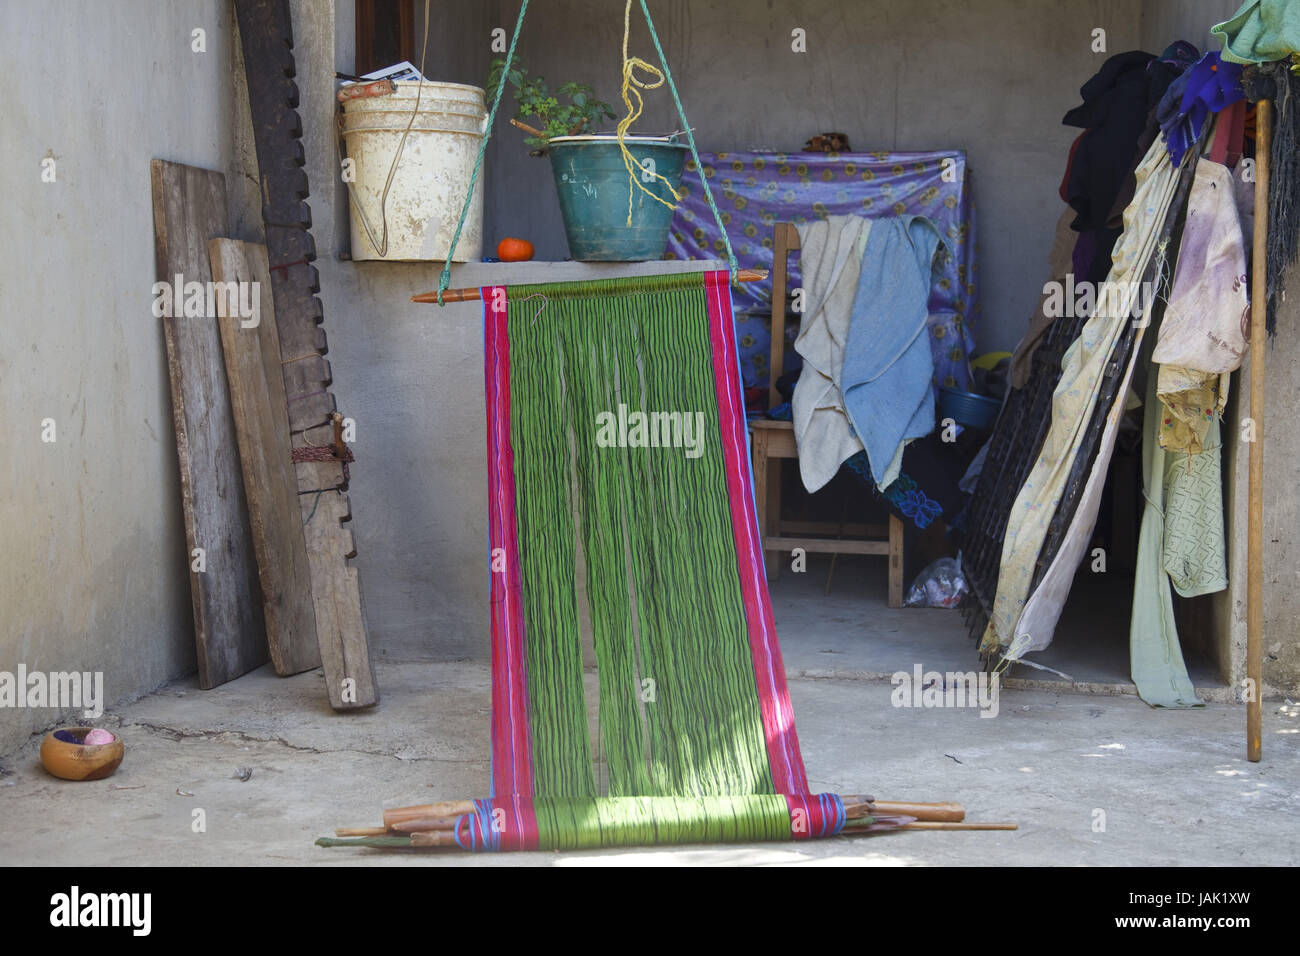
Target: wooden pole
x,y
1255,501
468,295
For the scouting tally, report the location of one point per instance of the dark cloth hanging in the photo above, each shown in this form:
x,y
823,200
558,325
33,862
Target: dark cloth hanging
x,y
1122,100
1162,74
1114,112
1118,116
927,487
1275,81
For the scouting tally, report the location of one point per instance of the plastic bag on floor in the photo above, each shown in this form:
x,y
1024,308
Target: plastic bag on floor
x,y
941,584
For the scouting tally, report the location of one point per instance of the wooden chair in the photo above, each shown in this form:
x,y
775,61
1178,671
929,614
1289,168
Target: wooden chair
x,y
774,441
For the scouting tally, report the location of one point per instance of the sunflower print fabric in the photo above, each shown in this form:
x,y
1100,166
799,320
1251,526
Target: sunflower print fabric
x,y
755,190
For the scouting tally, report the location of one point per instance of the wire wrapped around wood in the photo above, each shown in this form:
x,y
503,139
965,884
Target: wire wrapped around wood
x,y
325,453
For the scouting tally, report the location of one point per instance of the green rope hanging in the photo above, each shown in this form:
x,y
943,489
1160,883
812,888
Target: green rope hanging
x,y
444,282
690,139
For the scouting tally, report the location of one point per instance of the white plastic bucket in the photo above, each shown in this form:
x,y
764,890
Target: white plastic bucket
x,y
432,176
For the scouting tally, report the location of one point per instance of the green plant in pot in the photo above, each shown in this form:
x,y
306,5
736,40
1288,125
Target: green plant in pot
x,y
608,217
539,111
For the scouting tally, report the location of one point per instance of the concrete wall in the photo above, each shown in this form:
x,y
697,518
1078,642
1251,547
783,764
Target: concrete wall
x,y
1164,21
93,572
1281,505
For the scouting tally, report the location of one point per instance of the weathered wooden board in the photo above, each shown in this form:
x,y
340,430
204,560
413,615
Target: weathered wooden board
x,y
336,588
252,354
266,37
189,208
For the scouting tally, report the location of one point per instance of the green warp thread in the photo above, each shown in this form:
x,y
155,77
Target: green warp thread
x,y
652,529
645,821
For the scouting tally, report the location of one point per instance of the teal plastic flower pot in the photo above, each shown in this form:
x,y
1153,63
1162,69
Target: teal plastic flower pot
x,y
592,183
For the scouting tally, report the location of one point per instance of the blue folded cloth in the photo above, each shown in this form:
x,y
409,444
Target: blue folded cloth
x,y
888,363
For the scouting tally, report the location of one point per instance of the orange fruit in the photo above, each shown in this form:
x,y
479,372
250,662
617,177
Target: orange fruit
x,y
514,250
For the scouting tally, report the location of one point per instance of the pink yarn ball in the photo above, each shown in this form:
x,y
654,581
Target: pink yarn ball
x,y
97,737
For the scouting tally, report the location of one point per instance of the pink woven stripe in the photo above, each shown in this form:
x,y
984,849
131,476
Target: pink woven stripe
x,y
769,672
512,766
519,823
814,816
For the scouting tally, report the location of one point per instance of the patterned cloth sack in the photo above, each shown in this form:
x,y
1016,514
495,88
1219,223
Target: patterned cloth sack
x,y
1205,324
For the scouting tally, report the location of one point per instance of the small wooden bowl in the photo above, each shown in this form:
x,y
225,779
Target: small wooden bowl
x,y
64,755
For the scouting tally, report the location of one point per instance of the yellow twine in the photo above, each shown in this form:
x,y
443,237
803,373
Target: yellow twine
x,y
631,90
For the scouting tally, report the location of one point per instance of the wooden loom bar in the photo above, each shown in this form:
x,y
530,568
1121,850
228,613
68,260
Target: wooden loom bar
x,y
469,295
443,816
1255,499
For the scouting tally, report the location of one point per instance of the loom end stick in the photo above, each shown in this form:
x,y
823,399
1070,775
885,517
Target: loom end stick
x,y
447,808
938,825
469,295
442,838
451,295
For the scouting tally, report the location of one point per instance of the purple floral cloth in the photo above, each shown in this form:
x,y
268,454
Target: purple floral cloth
x,y
755,190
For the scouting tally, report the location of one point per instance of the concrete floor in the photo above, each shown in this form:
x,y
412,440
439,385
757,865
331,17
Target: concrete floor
x,y
1174,786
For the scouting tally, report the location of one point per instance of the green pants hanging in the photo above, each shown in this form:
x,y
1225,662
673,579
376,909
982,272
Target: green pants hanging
x,y
1155,657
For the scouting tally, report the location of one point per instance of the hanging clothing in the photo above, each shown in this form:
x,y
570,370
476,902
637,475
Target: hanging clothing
x,y
1207,88
1116,103
1073,403
1206,323
831,260
1195,552
1163,72
1260,31
1189,401
888,364
1205,331
927,488
1043,609
1155,656
1114,112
